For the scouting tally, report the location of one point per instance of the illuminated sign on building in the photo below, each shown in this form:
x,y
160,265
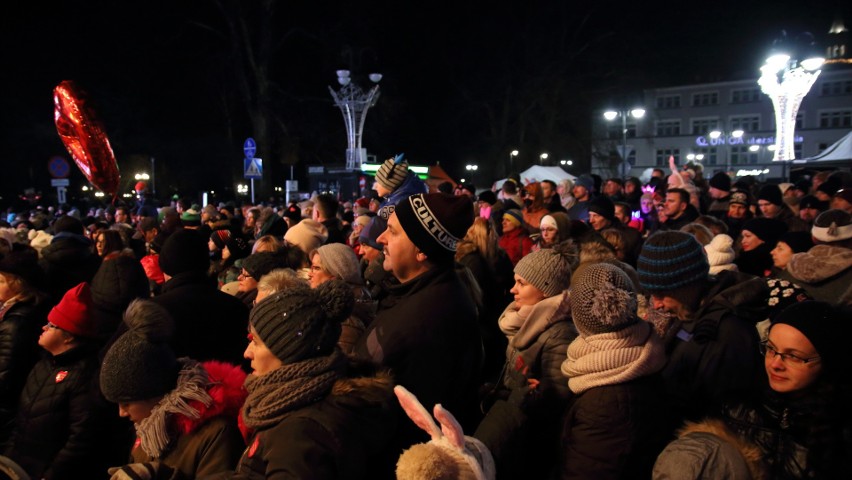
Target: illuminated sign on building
x,y
731,140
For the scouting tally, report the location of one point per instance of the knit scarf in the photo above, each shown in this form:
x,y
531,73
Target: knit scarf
x,y
273,395
613,358
192,383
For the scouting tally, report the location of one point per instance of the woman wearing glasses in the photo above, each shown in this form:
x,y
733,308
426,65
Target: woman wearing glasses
x,y
797,425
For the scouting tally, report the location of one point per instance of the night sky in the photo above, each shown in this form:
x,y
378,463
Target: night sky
x,y
464,82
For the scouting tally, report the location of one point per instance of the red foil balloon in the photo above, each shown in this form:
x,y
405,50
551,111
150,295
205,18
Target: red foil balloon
x,y
84,137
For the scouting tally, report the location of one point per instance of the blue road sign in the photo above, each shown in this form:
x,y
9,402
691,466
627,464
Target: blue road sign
x,y
253,168
249,148
58,167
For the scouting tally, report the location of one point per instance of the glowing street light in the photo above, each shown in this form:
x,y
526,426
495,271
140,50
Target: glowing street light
x,y
512,154
566,162
611,115
542,158
354,103
471,167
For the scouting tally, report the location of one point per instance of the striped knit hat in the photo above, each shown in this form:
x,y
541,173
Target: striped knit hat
x,y
392,173
674,264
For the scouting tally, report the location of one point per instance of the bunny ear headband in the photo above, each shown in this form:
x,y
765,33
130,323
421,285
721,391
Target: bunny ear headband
x,y
450,435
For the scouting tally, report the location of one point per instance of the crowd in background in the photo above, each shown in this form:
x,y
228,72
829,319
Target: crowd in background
x,y
676,327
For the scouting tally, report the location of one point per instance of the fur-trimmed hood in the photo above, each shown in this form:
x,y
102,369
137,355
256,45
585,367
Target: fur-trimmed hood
x,y
225,387
820,263
708,449
365,384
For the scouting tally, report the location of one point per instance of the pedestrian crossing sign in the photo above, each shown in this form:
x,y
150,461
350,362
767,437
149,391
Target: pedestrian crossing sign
x,y
253,168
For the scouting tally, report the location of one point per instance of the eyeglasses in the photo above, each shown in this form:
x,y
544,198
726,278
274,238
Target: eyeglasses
x,y
244,274
51,325
788,358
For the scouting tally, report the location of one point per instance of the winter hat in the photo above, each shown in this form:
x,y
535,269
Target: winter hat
x,y
259,264
673,263
845,194
797,241
294,213
371,232
603,206
772,194
766,229
392,172
24,265
585,181
830,186
721,181
603,300
220,238
118,282
67,223
362,220
40,240
141,365
822,323
308,235
238,246
488,197
810,201
436,222
74,312
720,253
300,323
191,217
832,226
740,197
340,261
782,294
548,221
548,269
515,216
184,251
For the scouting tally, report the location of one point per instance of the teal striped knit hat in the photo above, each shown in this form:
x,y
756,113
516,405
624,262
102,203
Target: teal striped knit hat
x,y
673,263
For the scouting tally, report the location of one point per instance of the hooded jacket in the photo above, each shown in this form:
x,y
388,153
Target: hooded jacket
x,y
338,436
412,185
824,271
209,443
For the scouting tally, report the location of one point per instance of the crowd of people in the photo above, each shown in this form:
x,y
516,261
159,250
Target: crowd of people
x,y
678,327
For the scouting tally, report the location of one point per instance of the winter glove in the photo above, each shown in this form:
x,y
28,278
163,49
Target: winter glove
x,y
134,471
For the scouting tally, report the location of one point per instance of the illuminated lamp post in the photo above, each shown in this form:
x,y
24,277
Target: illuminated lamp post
x,y
542,158
611,115
716,134
512,154
354,103
786,80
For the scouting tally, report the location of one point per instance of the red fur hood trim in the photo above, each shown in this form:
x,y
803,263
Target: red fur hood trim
x,y
226,390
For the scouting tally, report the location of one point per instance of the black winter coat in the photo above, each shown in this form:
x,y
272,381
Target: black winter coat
x,y
209,324
68,261
20,328
60,416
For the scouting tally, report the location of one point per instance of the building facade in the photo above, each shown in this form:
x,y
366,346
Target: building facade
x,y
679,120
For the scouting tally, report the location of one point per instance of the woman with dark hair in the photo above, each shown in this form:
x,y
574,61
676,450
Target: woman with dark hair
x,y
108,243
798,421
757,240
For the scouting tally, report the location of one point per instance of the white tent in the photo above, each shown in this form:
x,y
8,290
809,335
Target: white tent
x,y
839,152
537,173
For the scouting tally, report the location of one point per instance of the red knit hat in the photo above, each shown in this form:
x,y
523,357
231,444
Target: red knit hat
x,y
74,312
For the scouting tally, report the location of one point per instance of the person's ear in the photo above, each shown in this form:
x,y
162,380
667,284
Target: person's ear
x,y
421,257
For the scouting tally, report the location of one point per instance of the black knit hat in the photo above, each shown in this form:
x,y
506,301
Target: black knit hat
x,y
294,213
300,323
797,241
118,282
603,206
220,237
436,222
830,186
603,300
392,172
184,251
259,264
67,223
721,181
772,194
823,324
673,263
141,365
488,197
767,229
810,201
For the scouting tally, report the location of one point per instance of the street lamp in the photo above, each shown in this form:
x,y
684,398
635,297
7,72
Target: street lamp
x,y
354,103
786,80
471,167
566,162
141,176
513,153
542,158
727,140
695,156
611,115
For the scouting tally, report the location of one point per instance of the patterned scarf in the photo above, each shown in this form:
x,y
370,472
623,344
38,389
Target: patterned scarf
x,y
289,387
614,357
192,382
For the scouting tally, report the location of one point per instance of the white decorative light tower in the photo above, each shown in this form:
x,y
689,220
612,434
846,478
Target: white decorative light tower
x,y
354,103
787,80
